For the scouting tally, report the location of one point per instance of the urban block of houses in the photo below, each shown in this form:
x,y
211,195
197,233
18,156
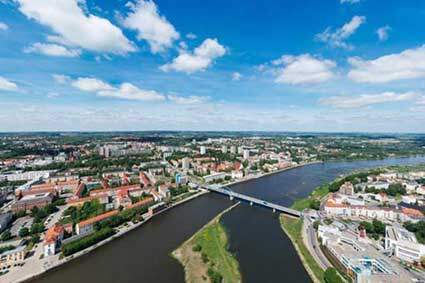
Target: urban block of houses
x,y
86,227
35,200
337,206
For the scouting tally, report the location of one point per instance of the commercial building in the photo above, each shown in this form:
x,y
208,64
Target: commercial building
x,y
26,176
203,150
87,226
215,177
185,163
403,244
28,202
358,259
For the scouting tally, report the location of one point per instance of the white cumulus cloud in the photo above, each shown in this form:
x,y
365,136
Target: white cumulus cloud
x,y
236,76
61,79
132,92
303,69
193,99
74,27
3,26
123,91
409,64
52,49
198,60
337,38
150,26
363,100
7,85
91,85
382,32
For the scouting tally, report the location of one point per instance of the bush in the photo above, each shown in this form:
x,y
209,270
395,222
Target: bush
x,y
315,204
214,276
81,244
205,258
6,236
331,276
23,232
197,248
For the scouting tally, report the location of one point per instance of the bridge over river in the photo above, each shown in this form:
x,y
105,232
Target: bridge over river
x,y
252,200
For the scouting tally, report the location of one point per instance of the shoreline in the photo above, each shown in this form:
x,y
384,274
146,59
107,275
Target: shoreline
x,y
298,250
88,250
37,274
261,175
179,254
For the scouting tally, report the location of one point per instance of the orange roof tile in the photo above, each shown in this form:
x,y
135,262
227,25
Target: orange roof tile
x,y
98,218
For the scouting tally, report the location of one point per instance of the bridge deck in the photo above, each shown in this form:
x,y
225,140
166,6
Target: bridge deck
x,y
230,193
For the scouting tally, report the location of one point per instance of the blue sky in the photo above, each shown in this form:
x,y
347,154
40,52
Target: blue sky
x,y
335,65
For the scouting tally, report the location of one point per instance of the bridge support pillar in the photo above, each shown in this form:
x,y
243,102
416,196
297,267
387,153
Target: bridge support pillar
x,y
231,197
251,203
274,210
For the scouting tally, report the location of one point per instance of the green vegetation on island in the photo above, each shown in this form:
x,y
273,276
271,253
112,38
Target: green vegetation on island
x,y
205,255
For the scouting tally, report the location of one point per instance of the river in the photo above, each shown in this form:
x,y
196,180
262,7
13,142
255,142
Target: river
x,y
264,252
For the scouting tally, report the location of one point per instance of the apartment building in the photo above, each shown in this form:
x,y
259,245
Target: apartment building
x,y
403,244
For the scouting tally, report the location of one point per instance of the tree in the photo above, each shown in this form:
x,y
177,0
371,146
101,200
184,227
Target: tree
x,y
23,232
379,227
35,239
331,276
395,189
6,236
36,228
315,204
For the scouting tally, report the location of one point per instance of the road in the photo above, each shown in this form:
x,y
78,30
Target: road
x,y
56,216
310,240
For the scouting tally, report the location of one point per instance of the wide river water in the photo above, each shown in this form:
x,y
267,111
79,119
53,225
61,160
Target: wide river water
x,y
264,252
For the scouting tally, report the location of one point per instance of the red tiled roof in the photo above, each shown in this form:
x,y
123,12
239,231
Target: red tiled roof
x,y
98,218
145,201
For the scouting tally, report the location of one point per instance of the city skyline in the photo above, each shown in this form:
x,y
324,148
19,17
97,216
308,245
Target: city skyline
x,y
339,66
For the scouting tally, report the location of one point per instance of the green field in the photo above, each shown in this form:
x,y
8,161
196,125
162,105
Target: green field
x,y
316,195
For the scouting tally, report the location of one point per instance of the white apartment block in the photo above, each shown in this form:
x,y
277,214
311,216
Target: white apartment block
x,y
403,244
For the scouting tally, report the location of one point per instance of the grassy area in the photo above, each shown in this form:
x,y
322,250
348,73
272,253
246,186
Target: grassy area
x,y
316,195
293,227
205,256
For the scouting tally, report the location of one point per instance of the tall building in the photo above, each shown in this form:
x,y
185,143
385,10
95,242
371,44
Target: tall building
x,y
185,163
240,150
245,153
224,149
203,150
233,149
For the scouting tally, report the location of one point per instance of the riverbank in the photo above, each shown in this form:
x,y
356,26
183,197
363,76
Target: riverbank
x,y
37,267
254,177
293,229
204,256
